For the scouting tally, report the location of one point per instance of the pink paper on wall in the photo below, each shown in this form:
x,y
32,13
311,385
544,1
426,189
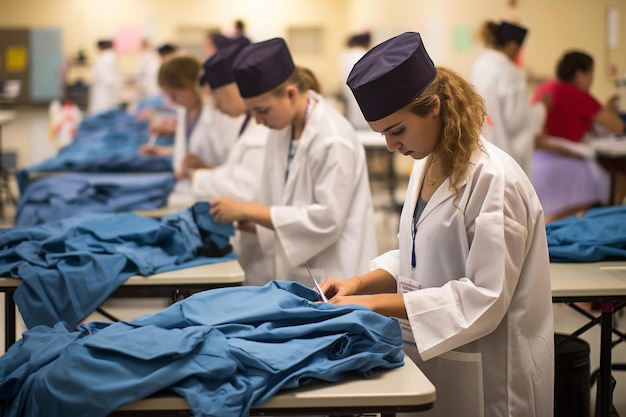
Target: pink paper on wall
x,y
127,39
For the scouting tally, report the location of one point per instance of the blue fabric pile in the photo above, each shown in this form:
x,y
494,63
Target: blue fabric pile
x,y
223,350
61,196
70,267
105,142
600,235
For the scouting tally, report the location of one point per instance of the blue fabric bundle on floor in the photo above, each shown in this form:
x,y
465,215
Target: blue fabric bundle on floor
x,y
70,267
600,235
223,350
57,197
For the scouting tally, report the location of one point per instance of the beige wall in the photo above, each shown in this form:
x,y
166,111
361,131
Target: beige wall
x,y
555,25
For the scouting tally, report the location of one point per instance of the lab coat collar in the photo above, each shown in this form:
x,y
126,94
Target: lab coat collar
x,y
308,136
445,190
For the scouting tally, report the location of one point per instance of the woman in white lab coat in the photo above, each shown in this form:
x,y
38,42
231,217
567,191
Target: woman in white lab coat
x,y
315,204
203,136
106,80
514,122
470,280
238,177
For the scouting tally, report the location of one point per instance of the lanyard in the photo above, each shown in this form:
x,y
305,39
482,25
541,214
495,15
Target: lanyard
x,y
191,124
413,234
291,152
244,124
419,208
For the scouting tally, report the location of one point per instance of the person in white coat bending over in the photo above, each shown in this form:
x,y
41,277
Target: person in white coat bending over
x,y
239,177
203,136
106,80
515,122
315,204
470,281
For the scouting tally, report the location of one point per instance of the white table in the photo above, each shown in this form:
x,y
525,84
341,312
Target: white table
x,y
401,389
166,284
603,282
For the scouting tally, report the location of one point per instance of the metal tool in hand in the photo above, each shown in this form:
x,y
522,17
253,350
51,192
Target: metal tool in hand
x,y
319,289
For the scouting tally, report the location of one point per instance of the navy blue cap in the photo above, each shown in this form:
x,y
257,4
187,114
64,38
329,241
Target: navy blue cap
x,y
360,39
260,67
218,69
391,75
508,31
105,43
166,48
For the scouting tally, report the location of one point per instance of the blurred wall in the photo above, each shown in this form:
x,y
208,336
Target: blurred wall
x,y
447,27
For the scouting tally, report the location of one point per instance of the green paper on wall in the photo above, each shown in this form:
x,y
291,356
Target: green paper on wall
x,y
463,38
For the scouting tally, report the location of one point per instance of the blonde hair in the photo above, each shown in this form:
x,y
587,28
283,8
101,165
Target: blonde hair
x,y
179,72
303,78
462,112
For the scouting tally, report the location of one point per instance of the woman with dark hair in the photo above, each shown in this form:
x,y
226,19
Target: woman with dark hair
x,y
565,182
315,204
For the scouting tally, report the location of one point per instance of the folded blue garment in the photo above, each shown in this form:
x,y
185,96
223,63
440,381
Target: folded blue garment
x,y
70,267
600,235
105,142
57,197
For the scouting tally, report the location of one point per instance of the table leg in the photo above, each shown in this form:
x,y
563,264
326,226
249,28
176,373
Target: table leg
x,y
9,320
604,390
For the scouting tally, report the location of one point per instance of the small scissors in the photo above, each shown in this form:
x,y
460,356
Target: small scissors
x,y
319,289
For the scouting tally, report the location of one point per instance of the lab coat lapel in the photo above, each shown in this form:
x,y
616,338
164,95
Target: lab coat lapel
x,y
308,135
443,193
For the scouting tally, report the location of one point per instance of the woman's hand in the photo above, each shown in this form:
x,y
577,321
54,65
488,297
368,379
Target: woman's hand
x,y
227,210
335,287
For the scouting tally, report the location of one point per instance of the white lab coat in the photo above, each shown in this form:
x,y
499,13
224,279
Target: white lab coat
x,y
212,139
347,60
516,122
239,178
323,214
147,74
106,83
480,325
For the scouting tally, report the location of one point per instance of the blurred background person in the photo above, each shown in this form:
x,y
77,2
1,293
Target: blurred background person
x,y
357,45
148,70
566,181
513,122
106,80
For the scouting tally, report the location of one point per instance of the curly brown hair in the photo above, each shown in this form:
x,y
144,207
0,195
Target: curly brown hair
x,y
462,115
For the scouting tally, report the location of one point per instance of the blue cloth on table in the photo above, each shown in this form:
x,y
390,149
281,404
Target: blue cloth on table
x,y
600,235
70,267
223,350
105,142
57,197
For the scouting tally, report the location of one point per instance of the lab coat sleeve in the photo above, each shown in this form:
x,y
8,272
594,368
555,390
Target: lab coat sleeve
x,y
306,230
389,261
238,178
470,307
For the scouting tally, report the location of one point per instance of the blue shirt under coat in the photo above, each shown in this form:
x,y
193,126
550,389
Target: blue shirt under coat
x,y
223,350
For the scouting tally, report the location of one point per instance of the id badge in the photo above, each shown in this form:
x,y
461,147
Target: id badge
x,y
407,285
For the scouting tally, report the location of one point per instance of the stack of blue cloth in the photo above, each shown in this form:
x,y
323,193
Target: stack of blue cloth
x,y
70,267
